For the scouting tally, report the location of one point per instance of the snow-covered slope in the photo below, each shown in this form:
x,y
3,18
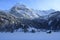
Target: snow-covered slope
x,y
44,12
30,36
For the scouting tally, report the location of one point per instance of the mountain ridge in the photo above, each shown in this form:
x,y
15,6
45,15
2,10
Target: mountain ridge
x,y
19,16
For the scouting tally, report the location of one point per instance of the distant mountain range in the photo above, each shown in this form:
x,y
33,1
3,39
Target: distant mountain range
x,y
22,18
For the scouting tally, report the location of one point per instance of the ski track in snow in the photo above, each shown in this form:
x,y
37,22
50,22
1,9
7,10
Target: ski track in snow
x,y
30,36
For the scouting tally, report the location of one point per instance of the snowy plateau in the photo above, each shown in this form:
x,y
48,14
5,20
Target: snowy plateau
x,y
30,36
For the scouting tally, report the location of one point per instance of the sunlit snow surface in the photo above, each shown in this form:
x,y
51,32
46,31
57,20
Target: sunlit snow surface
x,y
30,36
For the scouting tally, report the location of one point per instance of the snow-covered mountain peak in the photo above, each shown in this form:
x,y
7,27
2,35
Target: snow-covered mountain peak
x,y
21,10
19,5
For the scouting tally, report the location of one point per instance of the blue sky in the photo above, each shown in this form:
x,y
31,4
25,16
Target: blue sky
x,y
35,4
